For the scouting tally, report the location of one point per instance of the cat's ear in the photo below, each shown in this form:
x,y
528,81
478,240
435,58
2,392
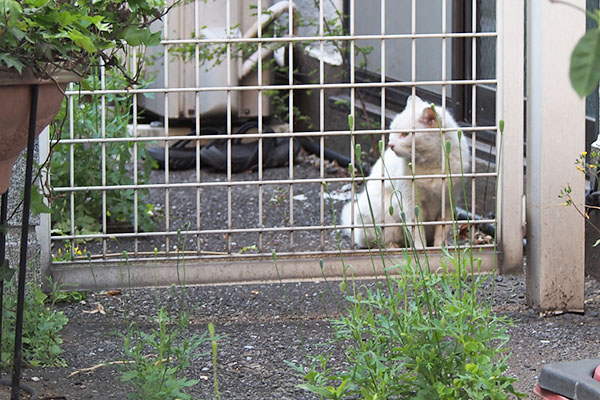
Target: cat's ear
x,y
428,118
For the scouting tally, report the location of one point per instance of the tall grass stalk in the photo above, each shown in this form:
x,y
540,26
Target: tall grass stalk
x,y
213,344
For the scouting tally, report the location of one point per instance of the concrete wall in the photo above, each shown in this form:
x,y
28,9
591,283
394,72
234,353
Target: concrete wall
x,y
13,239
398,51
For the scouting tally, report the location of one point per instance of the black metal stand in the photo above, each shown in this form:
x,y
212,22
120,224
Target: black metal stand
x,y
3,227
17,359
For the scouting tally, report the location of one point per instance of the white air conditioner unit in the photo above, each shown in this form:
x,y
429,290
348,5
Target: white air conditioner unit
x,y
181,74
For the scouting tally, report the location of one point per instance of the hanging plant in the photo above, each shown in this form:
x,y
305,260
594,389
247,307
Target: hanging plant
x,y
49,35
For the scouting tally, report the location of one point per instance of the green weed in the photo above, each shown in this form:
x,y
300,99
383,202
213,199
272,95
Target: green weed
x,y
41,327
60,294
419,334
156,361
159,358
87,163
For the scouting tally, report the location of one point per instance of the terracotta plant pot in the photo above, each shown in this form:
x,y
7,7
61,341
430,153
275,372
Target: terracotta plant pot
x,y
15,103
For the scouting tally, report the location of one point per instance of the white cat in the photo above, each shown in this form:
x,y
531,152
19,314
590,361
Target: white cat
x,y
399,192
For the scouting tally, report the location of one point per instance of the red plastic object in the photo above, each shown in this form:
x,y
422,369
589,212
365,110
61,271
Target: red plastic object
x,y
597,373
548,395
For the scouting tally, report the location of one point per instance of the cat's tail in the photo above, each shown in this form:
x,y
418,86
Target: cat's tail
x,y
361,234
346,218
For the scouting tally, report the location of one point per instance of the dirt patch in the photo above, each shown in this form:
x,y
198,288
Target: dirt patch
x,y
262,327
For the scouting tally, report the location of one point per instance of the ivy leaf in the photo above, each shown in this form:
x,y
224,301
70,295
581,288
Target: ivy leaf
x,y
135,36
154,39
83,41
585,63
97,22
64,18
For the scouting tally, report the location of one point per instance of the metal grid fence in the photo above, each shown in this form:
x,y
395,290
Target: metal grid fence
x,y
234,221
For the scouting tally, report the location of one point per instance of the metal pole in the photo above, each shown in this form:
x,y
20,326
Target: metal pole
x,y
3,228
16,376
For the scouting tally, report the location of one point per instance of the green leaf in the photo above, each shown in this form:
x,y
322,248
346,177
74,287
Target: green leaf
x,y
39,3
472,368
318,390
129,375
154,39
6,272
11,62
64,18
473,347
97,22
585,63
596,243
135,36
37,202
83,41
11,7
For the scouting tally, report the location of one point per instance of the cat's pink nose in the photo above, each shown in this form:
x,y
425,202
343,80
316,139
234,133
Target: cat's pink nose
x,y
391,145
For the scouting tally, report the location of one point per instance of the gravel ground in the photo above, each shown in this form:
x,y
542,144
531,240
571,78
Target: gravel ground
x,y
263,326
245,201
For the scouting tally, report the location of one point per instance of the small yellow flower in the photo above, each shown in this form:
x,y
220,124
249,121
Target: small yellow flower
x,y
584,153
592,166
579,168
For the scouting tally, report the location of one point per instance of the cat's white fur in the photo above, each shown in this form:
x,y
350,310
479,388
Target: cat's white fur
x,y
399,192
